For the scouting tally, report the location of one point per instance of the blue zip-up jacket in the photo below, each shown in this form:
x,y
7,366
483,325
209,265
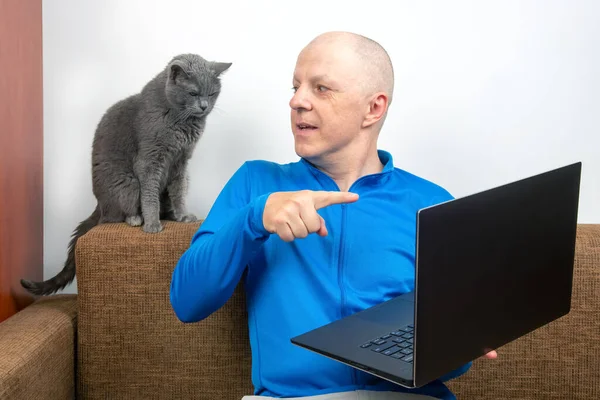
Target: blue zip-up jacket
x,y
367,257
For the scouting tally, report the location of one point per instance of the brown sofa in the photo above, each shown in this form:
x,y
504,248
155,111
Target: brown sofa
x,y
119,339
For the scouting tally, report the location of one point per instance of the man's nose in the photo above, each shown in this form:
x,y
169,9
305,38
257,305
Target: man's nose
x,y
300,100
203,104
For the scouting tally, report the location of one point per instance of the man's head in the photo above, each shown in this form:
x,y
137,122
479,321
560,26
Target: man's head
x,y
343,84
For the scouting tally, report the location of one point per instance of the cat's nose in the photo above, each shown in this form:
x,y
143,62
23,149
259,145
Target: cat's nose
x,y
203,105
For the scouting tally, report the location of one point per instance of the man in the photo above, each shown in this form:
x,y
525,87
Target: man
x,y
318,239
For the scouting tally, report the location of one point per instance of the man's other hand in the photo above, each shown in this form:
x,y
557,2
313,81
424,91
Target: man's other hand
x,y
491,355
293,215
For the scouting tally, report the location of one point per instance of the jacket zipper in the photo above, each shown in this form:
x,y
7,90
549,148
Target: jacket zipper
x,y
341,264
341,260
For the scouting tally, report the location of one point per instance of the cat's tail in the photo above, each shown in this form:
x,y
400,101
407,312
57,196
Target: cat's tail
x,y
67,274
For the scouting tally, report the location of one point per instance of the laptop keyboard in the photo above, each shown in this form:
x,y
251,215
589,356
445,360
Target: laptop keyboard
x,y
397,344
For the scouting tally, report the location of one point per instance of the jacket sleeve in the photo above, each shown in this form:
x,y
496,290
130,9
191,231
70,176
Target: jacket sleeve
x,y
208,272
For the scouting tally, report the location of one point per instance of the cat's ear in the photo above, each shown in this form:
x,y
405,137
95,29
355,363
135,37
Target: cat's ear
x,y
220,67
176,71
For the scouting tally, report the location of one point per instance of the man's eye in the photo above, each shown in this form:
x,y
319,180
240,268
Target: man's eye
x,y
321,88
294,89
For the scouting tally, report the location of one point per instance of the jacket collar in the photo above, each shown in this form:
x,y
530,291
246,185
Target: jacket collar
x,y
368,180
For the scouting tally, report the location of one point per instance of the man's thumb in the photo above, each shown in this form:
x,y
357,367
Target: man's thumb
x,y
322,229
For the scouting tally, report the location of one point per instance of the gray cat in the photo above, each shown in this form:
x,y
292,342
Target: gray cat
x,y
140,153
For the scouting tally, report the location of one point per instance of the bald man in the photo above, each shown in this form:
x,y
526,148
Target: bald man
x,y
317,239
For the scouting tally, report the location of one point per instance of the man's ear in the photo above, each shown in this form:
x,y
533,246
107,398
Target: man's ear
x,y
376,110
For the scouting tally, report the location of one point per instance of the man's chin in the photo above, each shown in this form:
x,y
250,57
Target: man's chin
x,y
309,154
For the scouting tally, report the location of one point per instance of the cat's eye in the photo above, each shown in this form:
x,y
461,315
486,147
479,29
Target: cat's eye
x,y
212,94
193,94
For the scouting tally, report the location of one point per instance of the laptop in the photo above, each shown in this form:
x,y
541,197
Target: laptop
x,y
490,267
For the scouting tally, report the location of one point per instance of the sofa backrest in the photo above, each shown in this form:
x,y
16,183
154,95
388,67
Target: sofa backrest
x,y
130,343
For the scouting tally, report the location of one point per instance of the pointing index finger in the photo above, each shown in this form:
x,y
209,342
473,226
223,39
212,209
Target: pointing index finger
x,y
323,198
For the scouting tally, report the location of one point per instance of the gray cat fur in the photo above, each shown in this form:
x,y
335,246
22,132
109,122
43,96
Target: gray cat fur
x,y
140,154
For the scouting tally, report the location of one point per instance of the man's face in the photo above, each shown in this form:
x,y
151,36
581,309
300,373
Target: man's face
x,y
328,107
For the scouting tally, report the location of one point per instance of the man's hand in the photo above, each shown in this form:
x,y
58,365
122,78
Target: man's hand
x,y
293,215
491,355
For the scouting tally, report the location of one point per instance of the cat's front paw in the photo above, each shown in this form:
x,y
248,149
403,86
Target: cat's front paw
x,y
152,227
134,220
186,218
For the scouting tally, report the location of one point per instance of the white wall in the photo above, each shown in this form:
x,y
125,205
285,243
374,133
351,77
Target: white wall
x,y
487,92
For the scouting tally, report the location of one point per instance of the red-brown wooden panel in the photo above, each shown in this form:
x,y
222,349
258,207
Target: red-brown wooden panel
x,y
21,151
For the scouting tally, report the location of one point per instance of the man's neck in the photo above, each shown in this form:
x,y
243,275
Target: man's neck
x,y
345,169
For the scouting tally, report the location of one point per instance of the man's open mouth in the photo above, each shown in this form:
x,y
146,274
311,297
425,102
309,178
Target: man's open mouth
x,y
303,126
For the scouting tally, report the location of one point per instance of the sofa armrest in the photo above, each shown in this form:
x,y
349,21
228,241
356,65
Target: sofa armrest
x,y
37,350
